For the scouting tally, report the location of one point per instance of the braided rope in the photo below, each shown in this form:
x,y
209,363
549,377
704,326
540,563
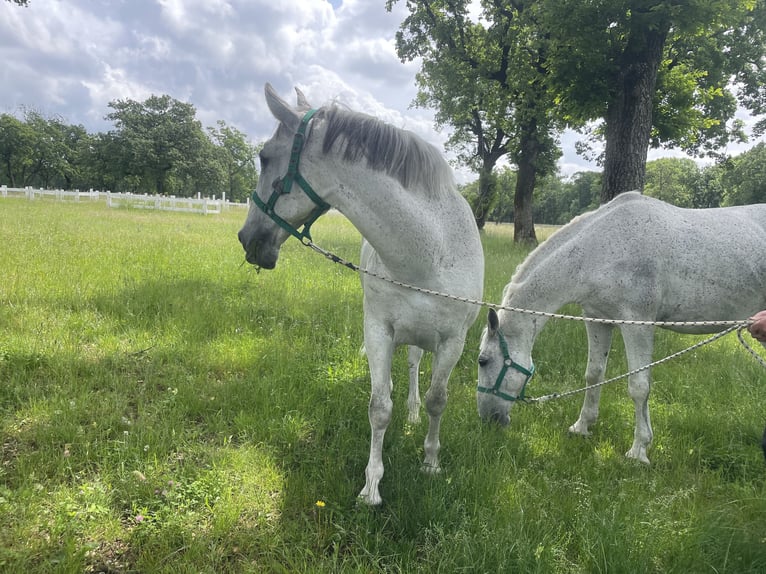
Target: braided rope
x,y
715,337
739,326
339,260
748,348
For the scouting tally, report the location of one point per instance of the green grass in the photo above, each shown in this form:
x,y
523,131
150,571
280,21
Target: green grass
x,y
164,408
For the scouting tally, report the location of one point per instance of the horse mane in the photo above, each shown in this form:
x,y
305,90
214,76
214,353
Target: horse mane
x,y
399,153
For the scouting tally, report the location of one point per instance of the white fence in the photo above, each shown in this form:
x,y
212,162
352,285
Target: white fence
x,y
199,204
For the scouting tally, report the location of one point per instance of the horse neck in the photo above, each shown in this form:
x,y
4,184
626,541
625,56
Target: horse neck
x,y
409,230
543,292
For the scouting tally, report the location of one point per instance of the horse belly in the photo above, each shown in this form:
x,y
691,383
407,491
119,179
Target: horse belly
x,y
419,319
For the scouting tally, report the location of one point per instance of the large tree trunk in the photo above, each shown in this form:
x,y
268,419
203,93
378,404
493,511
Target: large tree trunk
x,y
629,114
523,219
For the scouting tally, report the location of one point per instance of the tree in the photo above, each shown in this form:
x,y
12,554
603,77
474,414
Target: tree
x,y
656,72
16,141
744,177
486,80
673,180
158,138
20,2
237,159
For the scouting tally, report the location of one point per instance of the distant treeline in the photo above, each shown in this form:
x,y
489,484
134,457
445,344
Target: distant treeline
x,y
156,147
159,147
737,181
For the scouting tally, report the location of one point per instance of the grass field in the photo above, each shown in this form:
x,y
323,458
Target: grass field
x,y
164,408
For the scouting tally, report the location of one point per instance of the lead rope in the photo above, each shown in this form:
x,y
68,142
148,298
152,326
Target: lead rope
x,y
747,347
545,398
739,326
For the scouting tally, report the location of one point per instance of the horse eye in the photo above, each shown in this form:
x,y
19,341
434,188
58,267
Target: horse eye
x,y
483,361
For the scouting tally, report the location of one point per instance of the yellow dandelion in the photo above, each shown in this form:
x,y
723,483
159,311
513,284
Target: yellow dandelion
x,y
320,504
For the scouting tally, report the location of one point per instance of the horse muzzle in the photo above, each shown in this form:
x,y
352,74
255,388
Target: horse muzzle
x,y
257,252
491,411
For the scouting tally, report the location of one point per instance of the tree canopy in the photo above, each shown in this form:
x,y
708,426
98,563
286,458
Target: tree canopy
x,y
483,78
656,72
157,146
652,72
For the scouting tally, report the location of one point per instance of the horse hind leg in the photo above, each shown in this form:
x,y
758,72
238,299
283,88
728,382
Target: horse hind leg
x,y
639,342
414,355
444,360
599,343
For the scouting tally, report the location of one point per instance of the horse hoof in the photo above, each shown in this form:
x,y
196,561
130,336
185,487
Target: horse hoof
x,y
580,429
639,455
368,499
430,469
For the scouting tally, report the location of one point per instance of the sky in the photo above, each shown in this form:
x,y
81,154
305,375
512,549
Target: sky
x,y
70,58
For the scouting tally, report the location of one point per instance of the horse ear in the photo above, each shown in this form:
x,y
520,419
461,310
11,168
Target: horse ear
x,y
303,103
493,322
281,110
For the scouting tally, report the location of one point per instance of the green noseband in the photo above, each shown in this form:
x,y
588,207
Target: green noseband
x,y
508,363
284,185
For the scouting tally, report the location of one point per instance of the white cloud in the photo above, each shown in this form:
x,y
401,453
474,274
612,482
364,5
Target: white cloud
x,y
70,58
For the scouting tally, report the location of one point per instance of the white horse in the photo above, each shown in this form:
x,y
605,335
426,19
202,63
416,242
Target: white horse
x,y
634,258
400,194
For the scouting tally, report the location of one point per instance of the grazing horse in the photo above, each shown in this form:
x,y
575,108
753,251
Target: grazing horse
x,y
399,192
634,258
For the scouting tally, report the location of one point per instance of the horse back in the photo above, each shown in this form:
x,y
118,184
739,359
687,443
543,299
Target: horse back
x,y
637,257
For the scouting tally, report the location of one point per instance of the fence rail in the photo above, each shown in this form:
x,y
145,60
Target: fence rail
x,y
203,205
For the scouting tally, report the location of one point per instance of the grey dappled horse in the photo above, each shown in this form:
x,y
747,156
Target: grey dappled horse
x,y
634,258
400,194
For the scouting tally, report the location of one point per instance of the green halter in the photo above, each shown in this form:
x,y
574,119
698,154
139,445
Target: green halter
x,y
508,363
284,185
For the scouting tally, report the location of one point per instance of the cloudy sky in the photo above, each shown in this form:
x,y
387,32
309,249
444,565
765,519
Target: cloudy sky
x,y
70,58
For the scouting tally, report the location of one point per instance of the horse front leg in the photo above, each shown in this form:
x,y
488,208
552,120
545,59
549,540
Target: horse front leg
x,y
380,347
599,343
414,355
444,361
639,343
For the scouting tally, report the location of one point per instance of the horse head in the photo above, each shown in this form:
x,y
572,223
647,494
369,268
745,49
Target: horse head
x,y
279,208
502,380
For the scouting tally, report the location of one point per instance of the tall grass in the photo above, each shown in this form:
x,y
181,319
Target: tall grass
x,y
164,408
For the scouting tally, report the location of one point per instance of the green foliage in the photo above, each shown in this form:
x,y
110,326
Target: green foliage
x,y
705,50
165,409
16,143
160,139
485,79
744,178
657,73
237,158
157,147
673,180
